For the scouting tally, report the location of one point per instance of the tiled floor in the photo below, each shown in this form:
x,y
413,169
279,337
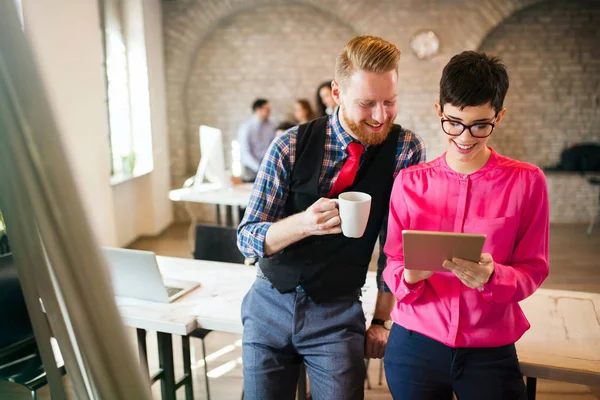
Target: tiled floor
x,y
574,266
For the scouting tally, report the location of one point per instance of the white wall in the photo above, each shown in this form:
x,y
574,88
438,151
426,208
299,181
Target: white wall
x,y
67,44
161,177
66,38
142,206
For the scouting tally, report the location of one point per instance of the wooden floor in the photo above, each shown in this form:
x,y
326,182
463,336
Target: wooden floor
x,y
574,260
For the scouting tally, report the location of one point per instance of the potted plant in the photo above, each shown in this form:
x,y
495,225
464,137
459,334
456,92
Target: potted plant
x,y
128,163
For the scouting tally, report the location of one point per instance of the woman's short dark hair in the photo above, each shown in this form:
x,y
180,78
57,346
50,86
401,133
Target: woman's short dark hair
x,y
473,79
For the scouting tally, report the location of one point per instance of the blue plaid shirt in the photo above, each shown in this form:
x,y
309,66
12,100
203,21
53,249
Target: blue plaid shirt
x,y
271,187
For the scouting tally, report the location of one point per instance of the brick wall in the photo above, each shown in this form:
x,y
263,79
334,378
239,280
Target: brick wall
x,y
220,55
552,55
260,53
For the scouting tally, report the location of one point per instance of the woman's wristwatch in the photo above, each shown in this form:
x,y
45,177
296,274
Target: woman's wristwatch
x,y
387,324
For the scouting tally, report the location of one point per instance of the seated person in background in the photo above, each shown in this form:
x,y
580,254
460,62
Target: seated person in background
x,y
454,331
303,111
255,136
325,102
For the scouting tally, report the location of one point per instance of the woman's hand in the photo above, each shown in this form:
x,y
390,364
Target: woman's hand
x,y
472,274
412,276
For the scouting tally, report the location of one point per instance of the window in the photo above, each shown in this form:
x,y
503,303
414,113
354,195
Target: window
x,y
127,98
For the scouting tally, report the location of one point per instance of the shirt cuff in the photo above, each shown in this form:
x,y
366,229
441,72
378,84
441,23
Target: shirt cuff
x,y
411,291
258,237
487,290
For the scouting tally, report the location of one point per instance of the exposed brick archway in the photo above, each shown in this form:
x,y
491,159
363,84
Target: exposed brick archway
x,y
460,24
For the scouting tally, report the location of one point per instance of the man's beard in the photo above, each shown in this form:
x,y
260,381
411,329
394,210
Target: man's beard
x,y
368,138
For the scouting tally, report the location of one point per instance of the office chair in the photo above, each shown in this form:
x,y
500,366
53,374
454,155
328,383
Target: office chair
x,y
4,246
594,181
20,359
217,243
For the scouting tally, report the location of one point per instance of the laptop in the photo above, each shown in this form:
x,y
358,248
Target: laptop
x,y
135,274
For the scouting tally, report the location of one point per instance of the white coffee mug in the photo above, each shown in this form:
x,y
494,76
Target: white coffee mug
x,y
355,208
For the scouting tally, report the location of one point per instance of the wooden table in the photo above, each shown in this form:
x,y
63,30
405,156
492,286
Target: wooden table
x,y
215,305
217,281
563,343
234,199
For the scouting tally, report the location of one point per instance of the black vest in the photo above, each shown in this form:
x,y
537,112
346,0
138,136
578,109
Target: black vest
x,y
331,266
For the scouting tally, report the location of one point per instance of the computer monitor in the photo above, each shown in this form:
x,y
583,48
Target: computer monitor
x,y
211,168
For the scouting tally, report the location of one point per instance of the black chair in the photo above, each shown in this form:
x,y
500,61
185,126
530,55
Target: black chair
x,y
217,243
4,247
20,359
594,181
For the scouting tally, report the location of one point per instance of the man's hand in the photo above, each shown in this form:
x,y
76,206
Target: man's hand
x,y
472,274
322,218
375,341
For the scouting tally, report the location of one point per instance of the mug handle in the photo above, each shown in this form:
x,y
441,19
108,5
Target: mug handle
x,y
336,201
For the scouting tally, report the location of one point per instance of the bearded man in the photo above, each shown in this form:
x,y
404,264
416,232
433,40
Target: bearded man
x,y
305,303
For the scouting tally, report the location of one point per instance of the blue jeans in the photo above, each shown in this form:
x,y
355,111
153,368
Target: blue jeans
x,y
283,330
420,368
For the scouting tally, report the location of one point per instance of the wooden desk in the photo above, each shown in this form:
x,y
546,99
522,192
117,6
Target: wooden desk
x,y
234,199
217,281
563,343
237,195
215,305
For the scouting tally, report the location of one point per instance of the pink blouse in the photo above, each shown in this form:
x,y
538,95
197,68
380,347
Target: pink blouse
x,y
508,201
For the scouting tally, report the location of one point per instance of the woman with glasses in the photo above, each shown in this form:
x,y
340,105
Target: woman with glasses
x,y
454,331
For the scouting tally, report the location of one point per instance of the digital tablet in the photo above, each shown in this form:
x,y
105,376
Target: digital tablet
x,y
427,250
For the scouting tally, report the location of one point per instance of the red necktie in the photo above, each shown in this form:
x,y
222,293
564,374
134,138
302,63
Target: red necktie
x,y
348,172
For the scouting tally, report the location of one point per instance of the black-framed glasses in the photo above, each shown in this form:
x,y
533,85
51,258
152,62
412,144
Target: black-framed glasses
x,y
479,130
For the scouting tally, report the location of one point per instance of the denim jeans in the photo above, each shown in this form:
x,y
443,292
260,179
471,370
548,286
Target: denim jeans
x,y
283,330
420,368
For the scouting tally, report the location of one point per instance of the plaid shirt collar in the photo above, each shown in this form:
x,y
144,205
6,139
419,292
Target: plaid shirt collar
x,y
338,131
340,134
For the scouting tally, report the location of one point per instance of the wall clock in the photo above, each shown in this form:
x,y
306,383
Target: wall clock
x,y
425,44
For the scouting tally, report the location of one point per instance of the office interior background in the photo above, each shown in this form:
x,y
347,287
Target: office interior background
x,y
131,81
